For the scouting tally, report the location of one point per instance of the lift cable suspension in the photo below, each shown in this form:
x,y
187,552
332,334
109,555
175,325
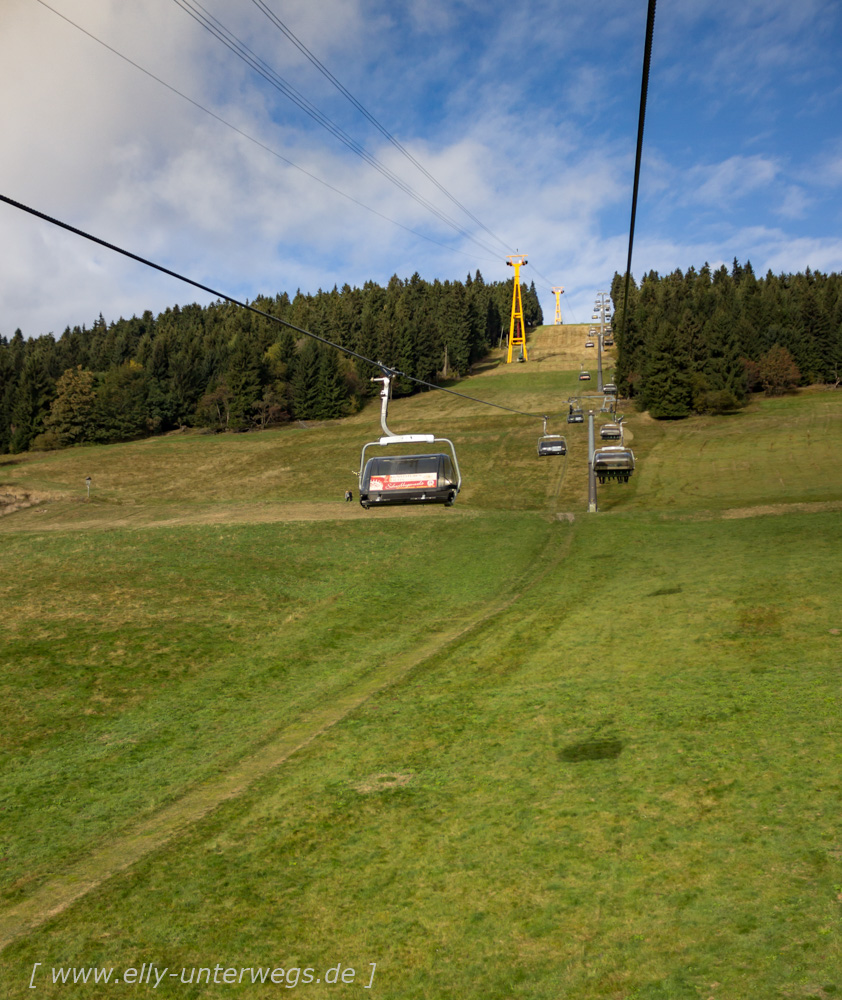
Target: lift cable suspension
x,y
644,88
232,42
258,142
279,24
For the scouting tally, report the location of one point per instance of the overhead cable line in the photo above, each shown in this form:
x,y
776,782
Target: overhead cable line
x,y
257,142
254,309
644,88
279,24
243,52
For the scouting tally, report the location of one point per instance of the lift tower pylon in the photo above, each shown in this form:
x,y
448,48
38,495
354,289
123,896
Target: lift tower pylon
x,y
558,292
517,328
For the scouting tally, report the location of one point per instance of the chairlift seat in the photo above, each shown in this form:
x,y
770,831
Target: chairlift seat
x,y
584,377
552,444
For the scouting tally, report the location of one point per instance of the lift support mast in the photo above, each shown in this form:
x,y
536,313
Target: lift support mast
x,y
517,328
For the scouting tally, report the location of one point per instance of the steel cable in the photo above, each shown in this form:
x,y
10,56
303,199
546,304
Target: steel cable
x,y
244,305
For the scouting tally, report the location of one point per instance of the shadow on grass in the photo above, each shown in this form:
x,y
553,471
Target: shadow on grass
x,y
608,748
485,366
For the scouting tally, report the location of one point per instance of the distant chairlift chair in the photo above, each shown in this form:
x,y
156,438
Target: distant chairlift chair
x,y
551,444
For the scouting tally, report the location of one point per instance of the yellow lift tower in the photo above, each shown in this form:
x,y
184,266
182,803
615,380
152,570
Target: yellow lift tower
x,y
517,328
558,292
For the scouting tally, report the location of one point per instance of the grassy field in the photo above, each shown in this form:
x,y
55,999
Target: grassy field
x,y
486,752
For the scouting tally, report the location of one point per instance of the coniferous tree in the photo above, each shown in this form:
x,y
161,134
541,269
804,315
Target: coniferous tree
x,y
244,381
332,399
456,329
532,312
8,386
667,387
305,386
186,382
34,392
120,408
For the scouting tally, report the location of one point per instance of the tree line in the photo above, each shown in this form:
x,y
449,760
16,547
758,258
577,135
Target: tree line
x,y
701,341
227,368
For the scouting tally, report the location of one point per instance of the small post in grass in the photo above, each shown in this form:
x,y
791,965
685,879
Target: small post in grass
x,y
88,484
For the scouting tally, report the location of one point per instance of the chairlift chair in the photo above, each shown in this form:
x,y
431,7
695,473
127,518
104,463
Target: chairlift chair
x,y
611,432
589,343
613,462
389,480
551,444
584,376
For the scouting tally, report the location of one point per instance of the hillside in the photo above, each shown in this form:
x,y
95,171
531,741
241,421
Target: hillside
x,y
508,749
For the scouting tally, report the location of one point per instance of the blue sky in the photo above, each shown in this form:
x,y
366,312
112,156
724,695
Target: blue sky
x,y
527,114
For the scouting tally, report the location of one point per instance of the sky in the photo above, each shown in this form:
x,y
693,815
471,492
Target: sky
x,y
169,145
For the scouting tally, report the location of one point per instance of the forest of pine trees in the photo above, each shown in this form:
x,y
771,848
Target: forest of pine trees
x,y
226,368
700,342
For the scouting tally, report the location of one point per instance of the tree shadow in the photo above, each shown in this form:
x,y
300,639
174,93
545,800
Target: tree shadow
x,y
485,366
665,590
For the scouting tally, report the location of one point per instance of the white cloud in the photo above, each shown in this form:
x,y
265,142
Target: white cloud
x,y
794,204
529,125
730,180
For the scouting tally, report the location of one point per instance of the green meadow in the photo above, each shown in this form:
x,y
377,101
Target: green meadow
x,y
505,750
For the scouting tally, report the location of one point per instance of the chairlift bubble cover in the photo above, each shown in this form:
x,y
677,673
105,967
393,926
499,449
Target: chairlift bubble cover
x,y
408,479
552,445
613,459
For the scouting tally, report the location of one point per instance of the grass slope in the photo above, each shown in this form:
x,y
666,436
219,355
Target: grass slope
x,y
496,753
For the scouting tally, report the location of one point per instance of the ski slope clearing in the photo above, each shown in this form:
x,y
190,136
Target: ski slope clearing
x,y
494,749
